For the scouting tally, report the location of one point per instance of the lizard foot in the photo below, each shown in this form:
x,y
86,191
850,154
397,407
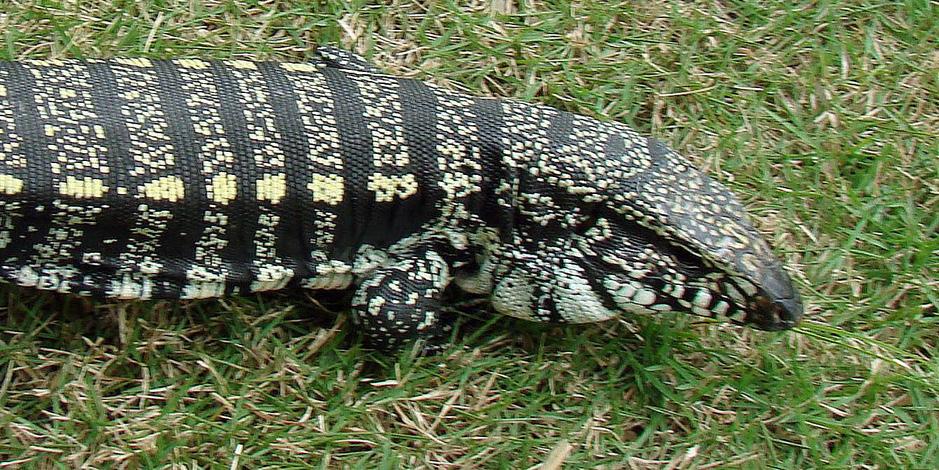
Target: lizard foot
x,y
400,302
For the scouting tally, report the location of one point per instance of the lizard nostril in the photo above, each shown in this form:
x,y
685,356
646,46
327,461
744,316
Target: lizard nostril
x,y
775,314
790,310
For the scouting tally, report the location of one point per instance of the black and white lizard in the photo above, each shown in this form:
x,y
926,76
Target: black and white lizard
x,y
138,178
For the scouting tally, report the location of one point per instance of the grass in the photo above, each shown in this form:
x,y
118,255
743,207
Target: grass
x,y
821,115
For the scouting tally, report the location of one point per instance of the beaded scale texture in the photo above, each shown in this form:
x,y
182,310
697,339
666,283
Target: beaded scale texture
x,y
181,179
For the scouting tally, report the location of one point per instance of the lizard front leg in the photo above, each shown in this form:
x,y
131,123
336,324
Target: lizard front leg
x,y
399,302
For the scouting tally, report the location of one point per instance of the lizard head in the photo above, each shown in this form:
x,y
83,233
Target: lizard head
x,y
614,222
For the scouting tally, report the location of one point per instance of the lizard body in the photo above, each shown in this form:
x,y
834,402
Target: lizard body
x,y
138,178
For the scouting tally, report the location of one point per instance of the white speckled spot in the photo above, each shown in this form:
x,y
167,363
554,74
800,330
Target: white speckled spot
x,y
703,298
720,308
644,297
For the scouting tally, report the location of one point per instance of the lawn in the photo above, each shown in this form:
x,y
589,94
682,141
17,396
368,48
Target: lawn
x,y
822,116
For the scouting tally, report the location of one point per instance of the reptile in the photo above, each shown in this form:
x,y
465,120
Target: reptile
x,y
136,178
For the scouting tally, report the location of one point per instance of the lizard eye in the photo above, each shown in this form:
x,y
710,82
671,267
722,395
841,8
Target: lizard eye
x,y
587,222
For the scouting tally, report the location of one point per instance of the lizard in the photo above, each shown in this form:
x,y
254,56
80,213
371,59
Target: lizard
x,y
137,178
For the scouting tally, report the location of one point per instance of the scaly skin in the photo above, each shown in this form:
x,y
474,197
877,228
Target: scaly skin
x,y
134,179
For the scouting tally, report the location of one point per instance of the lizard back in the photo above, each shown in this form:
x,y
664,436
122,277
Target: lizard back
x,y
138,178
